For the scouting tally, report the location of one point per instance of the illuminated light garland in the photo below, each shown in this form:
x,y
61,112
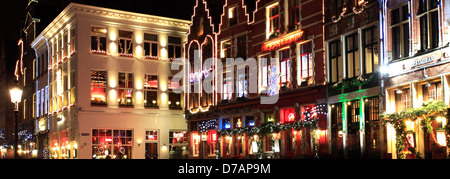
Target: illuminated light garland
x,y
19,62
362,4
335,20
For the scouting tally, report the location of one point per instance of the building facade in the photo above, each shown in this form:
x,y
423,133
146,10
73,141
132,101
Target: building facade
x,y
108,89
417,64
285,41
353,60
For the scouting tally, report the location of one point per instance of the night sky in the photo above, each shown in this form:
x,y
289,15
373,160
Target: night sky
x,y
12,15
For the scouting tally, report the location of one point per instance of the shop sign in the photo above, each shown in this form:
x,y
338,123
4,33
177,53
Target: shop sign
x,y
282,41
422,61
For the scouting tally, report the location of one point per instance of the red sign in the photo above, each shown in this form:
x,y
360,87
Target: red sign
x,y
282,41
212,136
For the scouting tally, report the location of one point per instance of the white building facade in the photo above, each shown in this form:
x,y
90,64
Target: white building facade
x,y
109,92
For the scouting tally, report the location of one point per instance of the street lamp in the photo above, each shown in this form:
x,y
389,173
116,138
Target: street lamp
x,y
16,97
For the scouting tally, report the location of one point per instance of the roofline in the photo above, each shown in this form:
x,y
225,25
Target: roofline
x,y
72,7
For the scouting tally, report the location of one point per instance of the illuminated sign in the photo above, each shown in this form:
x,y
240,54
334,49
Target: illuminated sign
x,y
283,41
291,117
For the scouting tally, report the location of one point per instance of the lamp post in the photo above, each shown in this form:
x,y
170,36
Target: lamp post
x,y
16,97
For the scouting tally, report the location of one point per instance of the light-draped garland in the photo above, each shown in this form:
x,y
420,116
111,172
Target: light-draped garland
x,y
423,114
268,128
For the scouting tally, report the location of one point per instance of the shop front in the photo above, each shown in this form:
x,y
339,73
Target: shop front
x,y
422,87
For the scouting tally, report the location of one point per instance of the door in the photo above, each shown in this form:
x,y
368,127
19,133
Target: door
x,y
337,143
353,141
151,150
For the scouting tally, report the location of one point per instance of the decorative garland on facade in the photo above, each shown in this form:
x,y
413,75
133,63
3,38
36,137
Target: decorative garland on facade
x,y
360,80
268,128
397,120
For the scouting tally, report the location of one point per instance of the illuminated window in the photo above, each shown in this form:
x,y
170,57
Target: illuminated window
x,y
371,109
400,32
353,109
112,144
273,18
403,100
242,83
285,66
125,89
150,46
98,40
429,24
227,141
307,61
239,144
232,16
287,115
178,137
370,46
294,13
174,47
335,63
227,90
265,67
352,54
211,141
151,135
125,43
432,92
195,141
151,82
226,47
98,87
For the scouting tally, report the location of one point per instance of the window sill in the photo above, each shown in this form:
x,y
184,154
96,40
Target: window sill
x,y
151,107
126,55
126,106
99,105
100,52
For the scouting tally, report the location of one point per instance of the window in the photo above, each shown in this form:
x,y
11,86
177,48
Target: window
x,y
353,109
150,91
151,46
195,141
239,144
98,40
174,47
225,47
432,91
211,141
370,46
372,109
265,68
232,16
400,32
242,84
178,137
352,55
174,100
429,24
294,13
287,115
125,43
285,66
112,144
125,89
151,135
227,90
241,51
274,16
227,145
402,99
72,41
335,64
307,61
98,87
178,141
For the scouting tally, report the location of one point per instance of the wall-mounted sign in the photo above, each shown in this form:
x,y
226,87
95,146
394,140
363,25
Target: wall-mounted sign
x,y
423,61
282,41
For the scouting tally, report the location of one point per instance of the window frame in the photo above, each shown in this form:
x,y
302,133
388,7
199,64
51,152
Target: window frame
x,y
127,43
125,89
105,87
337,57
99,37
356,61
400,32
